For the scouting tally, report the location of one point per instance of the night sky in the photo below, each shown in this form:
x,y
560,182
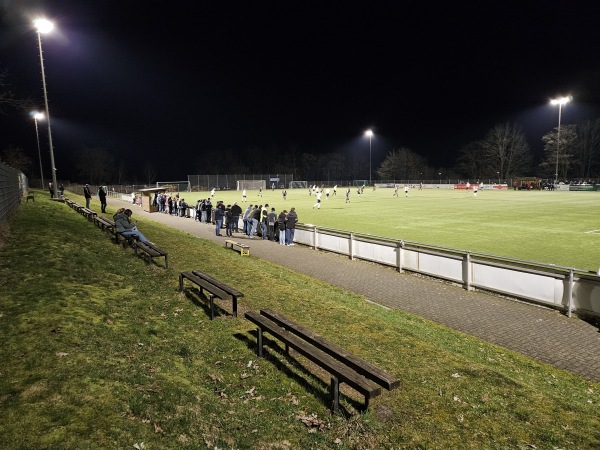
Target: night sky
x,y
169,81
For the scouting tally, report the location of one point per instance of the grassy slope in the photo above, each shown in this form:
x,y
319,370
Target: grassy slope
x,y
100,351
548,227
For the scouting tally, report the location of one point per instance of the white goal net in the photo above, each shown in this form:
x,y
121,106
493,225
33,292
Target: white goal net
x,y
298,185
251,185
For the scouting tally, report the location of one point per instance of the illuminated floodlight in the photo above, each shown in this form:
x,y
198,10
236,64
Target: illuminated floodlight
x,y
560,101
369,133
39,116
43,25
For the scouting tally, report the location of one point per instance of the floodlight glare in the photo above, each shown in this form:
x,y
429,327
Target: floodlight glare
x,y
43,25
560,101
369,133
39,116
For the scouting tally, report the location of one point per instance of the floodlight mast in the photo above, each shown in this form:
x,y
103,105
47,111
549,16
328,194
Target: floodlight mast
x,y
560,102
45,26
369,134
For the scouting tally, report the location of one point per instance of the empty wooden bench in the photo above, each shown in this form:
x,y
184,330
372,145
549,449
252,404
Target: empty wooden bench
x,y
214,288
344,367
151,251
88,213
243,248
105,224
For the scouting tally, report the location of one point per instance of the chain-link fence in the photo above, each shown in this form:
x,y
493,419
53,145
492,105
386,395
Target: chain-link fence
x,y
229,182
13,185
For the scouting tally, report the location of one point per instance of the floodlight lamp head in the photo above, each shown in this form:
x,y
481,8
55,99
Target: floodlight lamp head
x,y
561,100
39,116
43,25
369,133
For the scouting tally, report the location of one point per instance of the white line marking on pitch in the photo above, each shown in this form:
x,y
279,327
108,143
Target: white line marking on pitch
x,y
593,231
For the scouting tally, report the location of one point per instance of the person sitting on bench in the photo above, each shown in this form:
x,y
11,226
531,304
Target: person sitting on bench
x,y
126,227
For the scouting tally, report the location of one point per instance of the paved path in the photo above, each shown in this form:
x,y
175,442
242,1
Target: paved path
x,y
546,335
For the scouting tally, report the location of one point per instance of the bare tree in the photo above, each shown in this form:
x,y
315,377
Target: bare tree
x,y
470,163
16,158
149,172
402,164
8,99
505,151
94,164
559,153
587,150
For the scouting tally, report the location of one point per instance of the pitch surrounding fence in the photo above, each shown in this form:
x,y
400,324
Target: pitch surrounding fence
x,y
229,182
563,288
13,185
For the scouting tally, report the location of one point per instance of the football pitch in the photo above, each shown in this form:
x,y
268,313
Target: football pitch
x,y
561,228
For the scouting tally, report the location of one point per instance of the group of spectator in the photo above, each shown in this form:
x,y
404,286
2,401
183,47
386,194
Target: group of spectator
x,y
258,220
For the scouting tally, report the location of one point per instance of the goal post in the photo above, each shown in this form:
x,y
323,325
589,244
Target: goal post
x,y
298,184
360,183
251,185
178,186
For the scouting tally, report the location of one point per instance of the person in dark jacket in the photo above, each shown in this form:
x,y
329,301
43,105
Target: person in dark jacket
x,y
236,212
228,221
219,215
271,220
290,226
254,218
102,197
88,195
281,225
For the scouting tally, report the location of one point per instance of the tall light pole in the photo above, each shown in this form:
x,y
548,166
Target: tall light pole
x,y
560,102
369,134
39,116
45,26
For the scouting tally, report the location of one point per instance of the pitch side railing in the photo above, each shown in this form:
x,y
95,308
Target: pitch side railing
x,y
564,288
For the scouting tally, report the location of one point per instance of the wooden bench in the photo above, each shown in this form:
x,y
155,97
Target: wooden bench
x,y
243,248
151,251
344,367
86,212
105,224
30,196
214,288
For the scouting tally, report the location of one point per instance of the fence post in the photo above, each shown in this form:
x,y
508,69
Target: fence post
x,y
467,271
351,246
570,293
400,255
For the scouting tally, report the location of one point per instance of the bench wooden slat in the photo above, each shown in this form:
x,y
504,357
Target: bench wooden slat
x,y
327,362
231,291
363,367
214,290
243,248
152,251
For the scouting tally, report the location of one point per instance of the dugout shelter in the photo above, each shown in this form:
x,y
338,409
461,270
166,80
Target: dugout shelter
x,y
148,197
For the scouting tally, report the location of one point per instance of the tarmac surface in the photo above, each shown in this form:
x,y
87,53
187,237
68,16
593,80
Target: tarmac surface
x,y
546,335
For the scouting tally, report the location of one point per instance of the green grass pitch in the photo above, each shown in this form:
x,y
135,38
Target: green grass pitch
x,y
561,228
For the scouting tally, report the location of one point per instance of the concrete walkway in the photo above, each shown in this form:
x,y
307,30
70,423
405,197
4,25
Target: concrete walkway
x,y
543,334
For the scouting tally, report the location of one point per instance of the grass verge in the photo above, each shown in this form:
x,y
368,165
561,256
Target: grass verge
x,y
101,351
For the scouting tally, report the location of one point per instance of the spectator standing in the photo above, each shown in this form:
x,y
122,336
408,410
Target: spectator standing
x,y
88,195
236,212
281,225
61,189
271,219
219,215
290,226
253,219
208,210
51,189
246,220
102,197
228,221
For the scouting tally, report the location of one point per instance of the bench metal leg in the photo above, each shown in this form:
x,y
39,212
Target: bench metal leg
x,y
234,301
259,341
212,306
180,283
335,394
